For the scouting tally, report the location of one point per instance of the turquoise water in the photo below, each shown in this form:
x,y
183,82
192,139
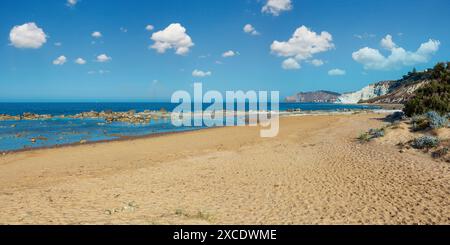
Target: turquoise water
x,y
16,135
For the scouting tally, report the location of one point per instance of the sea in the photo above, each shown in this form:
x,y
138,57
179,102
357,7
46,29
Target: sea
x,y
17,134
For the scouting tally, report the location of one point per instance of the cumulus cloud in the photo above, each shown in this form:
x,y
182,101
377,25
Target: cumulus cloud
x,y
303,44
336,72
149,27
60,60
229,53
80,61
103,58
199,73
290,64
373,59
317,62
275,7
250,30
173,37
96,34
71,3
387,43
123,29
28,35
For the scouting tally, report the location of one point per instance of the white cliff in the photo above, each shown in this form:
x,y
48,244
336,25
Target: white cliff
x,y
368,92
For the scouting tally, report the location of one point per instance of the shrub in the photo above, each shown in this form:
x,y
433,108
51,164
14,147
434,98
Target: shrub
x,y
434,95
440,153
435,120
376,133
396,116
430,119
372,134
364,137
419,123
425,142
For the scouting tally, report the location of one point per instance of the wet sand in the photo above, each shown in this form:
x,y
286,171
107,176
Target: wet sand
x,y
314,172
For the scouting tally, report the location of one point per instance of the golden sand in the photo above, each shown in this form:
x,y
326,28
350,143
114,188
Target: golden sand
x,y
314,172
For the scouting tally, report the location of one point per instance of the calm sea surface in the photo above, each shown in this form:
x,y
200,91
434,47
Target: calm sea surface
x,y
15,135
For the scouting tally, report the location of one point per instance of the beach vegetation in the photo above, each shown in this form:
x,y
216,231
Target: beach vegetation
x,y
373,133
364,137
396,116
376,133
425,142
434,96
436,120
440,153
431,119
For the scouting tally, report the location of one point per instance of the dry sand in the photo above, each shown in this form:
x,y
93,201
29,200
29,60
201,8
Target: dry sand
x,y
314,172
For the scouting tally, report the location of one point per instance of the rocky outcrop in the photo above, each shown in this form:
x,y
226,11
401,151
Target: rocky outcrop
x,y
109,116
316,96
397,96
366,93
389,92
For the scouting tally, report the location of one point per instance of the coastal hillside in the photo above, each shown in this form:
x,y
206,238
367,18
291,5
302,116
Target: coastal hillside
x,y
369,92
402,90
316,96
395,91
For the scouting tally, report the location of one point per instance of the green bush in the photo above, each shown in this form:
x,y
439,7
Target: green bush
x,y
430,119
371,134
434,96
425,142
419,123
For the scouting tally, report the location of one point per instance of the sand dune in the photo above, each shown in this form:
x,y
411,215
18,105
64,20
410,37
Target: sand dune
x,y
314,172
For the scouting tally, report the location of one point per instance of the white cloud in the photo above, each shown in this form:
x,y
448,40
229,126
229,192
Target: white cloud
x,y
173,37
80,61
58,44
303,44
199,73
229,53
290,64
103,58
275,7
96,34
71,3
60,60
387,43
364,35
28,35
250,30
149,28
317,62
372,59
336,72
123,29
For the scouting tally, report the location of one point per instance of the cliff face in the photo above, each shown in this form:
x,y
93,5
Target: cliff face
x,y
389,92
398,95
316,96
366,93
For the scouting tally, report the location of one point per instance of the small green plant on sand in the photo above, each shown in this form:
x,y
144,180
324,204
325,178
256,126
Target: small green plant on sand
x,y
425,142
371,134
364,137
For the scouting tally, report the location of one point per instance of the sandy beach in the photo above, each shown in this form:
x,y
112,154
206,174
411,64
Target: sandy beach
x,y
314,172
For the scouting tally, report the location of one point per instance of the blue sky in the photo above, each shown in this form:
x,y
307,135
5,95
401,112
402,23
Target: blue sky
x,y
339,48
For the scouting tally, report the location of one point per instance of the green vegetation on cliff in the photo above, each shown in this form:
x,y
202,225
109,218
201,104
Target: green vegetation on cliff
x,y
434,96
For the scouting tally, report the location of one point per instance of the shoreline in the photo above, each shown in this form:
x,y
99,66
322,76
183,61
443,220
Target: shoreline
x,y
159,134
